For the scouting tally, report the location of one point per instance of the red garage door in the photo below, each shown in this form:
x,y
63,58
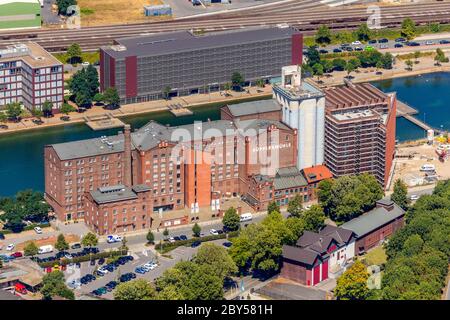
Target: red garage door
x,y
316,272
325,270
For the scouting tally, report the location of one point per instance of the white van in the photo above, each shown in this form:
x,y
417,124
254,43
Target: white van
x,y
427,167
246,217
45,249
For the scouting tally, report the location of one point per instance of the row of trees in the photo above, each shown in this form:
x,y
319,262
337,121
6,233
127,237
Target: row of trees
x,y
258,248
27,205
202,278
347,197
318,66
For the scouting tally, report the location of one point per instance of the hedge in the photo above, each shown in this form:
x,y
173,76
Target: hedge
x,y
84,258
27,228
170,246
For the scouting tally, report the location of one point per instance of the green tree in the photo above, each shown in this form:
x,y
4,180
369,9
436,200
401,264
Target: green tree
x,y
217,258
237,80
150,237
435,27
314,218
413,245
166,92
339,64
295,206
352,285
327,65
166,233
363,32
231,219
47,108
123,246
31,249
89,240
74,53
408,29
13,111
53,285
98,97
313,56
227,87
318,70
417,56
67,108
273,207
37,113
3,117
409,64
196,230
61,243
260,83
138,289
323,35
400,194
111,97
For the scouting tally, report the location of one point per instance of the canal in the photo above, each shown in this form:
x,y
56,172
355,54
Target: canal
x,y
21,154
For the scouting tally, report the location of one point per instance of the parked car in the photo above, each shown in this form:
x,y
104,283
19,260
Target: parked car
x,y
414,197
358,49
177,238
214,232
113,238
384,46
444,41
140,270
337,50
92,263
323,51
74,284
412,44
2,236
429,42
356,43
369,48
17,254
372,41
183,237
101,261
38,230
76,246
383,40
171,239
68,256
227,244
398,45
195,244
400,40
10,247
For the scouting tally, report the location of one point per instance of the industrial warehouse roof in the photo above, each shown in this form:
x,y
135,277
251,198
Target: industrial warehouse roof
x,y
353,95
254,107
255,127
113,194
373,219
287,178
180,41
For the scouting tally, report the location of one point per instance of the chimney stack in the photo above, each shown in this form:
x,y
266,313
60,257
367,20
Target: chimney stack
x,y
127,155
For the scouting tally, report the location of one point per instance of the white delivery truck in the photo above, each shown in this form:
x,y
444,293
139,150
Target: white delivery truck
x,y
45,249
246,217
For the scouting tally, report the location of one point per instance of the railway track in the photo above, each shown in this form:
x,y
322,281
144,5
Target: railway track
x,y
305,20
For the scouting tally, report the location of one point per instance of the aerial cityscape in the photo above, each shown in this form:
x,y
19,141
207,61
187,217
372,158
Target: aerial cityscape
x,y
254,150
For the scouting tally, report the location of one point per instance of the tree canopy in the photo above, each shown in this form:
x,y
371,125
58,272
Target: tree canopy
x,y
408,28
347,197
418,253
352,285
138,289
400,194
53,285
231,219
61,243
89,240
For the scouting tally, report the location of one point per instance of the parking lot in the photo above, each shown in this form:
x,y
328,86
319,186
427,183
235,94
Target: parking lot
x,y
139,259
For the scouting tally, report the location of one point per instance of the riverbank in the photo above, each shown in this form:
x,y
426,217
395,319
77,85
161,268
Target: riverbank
x,y
191,102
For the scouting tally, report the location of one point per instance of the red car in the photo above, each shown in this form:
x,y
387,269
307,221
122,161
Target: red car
x,y
17,255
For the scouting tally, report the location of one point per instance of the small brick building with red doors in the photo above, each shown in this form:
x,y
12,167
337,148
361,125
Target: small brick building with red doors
x,y
308,261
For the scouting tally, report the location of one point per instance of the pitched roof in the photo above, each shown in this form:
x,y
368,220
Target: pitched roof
x,y
342,236
254,107
373,219
300,255
289,177
314,241
317,173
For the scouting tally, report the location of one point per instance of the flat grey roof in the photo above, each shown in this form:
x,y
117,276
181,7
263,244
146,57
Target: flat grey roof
x,y
180,41
254,107
113,194
372,220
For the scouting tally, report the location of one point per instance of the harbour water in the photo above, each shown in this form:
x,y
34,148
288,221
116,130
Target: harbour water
x,y
21,154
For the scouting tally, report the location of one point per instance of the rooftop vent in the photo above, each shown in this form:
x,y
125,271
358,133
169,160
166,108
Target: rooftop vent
x,y
118,47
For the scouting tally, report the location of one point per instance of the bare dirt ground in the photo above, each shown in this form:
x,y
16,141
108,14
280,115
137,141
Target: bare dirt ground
x,y
107,12
70,238
409,169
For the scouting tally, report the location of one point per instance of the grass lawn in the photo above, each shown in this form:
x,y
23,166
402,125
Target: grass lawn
x,y
374,256
90,57
104,12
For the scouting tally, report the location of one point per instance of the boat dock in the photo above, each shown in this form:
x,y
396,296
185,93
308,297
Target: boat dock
x,y
407,112
103,121
178,110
